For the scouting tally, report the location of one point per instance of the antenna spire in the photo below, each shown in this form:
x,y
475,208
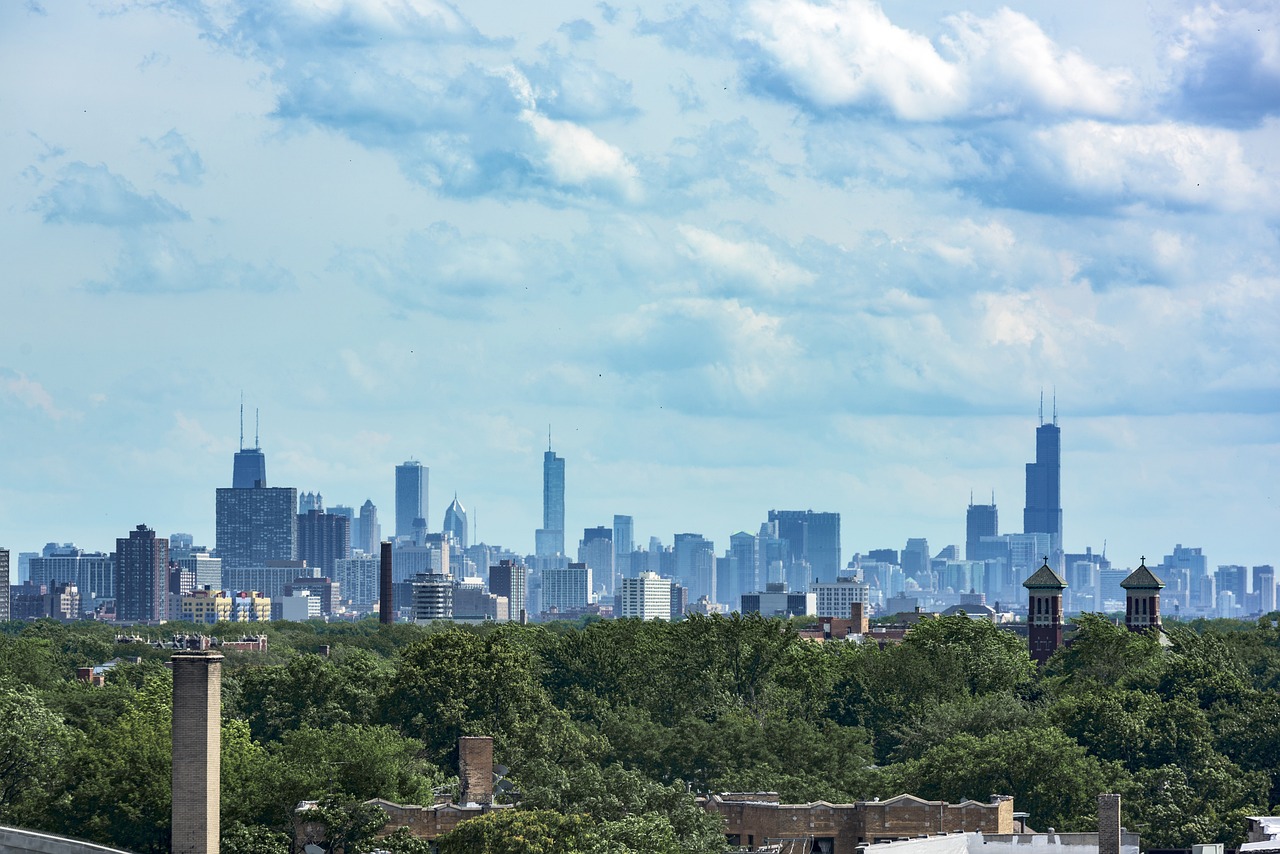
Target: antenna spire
x,y
971,498
548,437
1041,407
242,420
1055,406
257,446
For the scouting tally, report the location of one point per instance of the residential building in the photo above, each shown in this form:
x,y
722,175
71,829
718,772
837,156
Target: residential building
x,y
92,573
4,585
595,549
369,536
1264,585
472,603
142,562
250,606
205,606
566,589
432,597
269,578
322,588
837,599
323,539
358,579
510,579
645,597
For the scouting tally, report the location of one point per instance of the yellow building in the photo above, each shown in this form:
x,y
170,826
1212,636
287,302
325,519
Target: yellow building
x,y
206,606
250,606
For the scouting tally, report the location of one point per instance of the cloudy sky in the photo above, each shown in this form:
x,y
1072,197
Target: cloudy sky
x,y
739,255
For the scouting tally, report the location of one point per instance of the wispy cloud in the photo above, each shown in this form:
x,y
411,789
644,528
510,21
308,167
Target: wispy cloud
x,y
95,195
19,387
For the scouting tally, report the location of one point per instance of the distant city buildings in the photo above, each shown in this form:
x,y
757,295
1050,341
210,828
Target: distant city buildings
x,y
813,539
550,537
1043,511
455,522
4,585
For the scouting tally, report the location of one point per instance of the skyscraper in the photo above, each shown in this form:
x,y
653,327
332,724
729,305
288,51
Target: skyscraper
x,y
511,579
250,469
370,530
623,545
142,561
411,495
323,539
4,585
981,521
455,522
255,523
1043,512
812,538
596,551
550,537
695,559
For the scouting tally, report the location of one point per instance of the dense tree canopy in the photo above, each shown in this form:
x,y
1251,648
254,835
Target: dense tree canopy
x,y
610,728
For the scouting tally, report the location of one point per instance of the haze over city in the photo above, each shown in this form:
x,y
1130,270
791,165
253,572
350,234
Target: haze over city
x,y
770,255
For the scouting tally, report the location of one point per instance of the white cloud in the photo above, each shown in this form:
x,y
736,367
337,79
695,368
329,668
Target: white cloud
x,y
849,54
743,260
577,158
1164,163
30,393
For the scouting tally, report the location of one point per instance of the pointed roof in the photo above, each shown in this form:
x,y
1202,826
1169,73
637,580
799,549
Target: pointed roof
x,y
455,506
1142,579
1045,578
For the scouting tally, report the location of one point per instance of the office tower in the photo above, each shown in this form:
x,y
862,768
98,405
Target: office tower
x,y
180,545
915,558
250,469
838,598
695,565
595,549
1142,600
411,495
1043,512
623,545
981,521
510,578
813,539
566,589
744,569
354,526
772,551
1028,551
889,556
255,523
550,537
4,585
308,501
1264,585
142,561
370,533
323,539
455,522
1044,613
645,597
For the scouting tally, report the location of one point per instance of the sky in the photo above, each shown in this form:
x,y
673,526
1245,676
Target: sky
x,y
738,256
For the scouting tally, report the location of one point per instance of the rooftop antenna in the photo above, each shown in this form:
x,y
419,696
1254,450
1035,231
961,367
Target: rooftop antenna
x,y
1055,406
971,498
257,446
242,420
1041,407
548,437
993,498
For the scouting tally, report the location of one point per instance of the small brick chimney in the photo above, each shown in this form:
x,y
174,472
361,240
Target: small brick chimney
x,y
858,615
475,769
1108,824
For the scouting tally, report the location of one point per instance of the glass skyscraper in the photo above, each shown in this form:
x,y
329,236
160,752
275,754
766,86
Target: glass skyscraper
x,y
411,495
1043,512
550,537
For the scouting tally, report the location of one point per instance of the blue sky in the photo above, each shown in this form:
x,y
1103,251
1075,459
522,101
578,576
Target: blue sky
x,y
740,255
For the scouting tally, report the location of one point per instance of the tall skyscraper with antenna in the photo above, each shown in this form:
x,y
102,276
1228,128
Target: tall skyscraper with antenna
x,y
1043,511
550,537
255,523
250,464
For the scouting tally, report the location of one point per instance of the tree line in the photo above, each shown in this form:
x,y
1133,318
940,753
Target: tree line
x,y
611,728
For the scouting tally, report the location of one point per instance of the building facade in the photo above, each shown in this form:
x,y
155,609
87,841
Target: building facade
x,y
323,539
645,597
838,599
566,589
412,479
142,573
510,578
550,537
1043,511
812,539
980,521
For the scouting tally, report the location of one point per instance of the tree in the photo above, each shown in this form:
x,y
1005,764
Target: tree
x,y
34,745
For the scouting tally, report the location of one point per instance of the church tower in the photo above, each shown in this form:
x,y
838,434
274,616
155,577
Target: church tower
x,y
1142,600
1044,612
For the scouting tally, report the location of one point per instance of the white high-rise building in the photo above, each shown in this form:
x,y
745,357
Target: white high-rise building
x,y
837,599
646,597
566,589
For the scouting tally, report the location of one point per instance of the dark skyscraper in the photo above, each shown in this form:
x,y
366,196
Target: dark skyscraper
x,y
411,495
550,537
1043,513
142,562
812,538
4,584
323,538
255,523
981,521
370,538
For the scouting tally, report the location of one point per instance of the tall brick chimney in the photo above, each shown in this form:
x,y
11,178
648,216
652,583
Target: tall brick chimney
x,y
1108,824
386,596
197,752
475,769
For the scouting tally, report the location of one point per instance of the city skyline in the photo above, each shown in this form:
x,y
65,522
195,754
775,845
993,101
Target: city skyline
x,y
767,254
